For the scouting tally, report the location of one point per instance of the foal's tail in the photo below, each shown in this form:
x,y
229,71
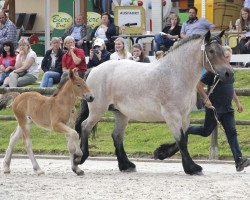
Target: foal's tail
x,y
6,98
84,113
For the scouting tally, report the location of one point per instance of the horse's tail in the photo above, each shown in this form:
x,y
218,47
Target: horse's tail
x,y
83,114
6,98
165,151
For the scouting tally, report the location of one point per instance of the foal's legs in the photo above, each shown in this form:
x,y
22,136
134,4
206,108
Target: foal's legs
x,y
121,122
13,141
73,146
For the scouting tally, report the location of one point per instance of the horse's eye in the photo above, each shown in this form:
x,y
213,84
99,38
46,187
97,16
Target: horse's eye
x,y
78,85
211,51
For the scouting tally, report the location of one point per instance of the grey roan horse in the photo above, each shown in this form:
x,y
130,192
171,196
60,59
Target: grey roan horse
x,y
161,91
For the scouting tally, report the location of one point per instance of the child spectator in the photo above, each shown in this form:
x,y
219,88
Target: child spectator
x,y
120,50
7,61
138,54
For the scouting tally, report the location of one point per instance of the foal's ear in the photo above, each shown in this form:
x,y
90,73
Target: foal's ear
x,y
221,33
71,74
207,36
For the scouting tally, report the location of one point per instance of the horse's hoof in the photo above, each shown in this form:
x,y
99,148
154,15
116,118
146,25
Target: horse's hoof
x,y
127,167
78,172
193,169
129,170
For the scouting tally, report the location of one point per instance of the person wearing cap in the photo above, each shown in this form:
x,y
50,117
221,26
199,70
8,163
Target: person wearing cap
x,y
73,58
106,30
98,54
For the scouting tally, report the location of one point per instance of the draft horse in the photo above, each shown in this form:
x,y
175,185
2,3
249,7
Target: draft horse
x,y
52,113
161,91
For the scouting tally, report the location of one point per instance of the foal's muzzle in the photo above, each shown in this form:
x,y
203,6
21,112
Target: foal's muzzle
x,y
89,97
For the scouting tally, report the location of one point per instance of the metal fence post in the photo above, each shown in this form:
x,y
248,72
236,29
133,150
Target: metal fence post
x,y
213,155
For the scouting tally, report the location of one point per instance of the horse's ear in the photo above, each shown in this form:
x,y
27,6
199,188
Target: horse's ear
x,y
207,36
221,33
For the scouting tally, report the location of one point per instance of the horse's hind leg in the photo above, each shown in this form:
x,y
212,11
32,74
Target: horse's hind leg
x,y
121,122
13,141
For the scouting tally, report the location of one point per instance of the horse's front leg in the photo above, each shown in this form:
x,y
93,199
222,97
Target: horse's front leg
x,y
175,123
121,122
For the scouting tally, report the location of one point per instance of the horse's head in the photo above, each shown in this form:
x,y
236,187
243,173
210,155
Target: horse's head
x,y
80,87
213,56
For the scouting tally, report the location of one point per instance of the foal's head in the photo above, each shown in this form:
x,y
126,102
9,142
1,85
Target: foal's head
x,y
80,87
214,59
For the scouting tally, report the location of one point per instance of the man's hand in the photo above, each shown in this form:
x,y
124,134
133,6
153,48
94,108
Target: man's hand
x,y
207,103
239,107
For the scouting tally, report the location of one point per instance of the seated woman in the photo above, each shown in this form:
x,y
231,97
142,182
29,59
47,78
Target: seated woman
x,y
7,61
172,33
120,50
73,58
244,25
26,69
52,64
105,31
138,54
98,54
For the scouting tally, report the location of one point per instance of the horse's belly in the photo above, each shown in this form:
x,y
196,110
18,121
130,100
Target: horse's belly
x,y
142,113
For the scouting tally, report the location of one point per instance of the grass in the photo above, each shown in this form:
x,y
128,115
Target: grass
x,y
140,139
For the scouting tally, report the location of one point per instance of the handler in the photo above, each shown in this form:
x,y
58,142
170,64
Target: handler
x,y
221,99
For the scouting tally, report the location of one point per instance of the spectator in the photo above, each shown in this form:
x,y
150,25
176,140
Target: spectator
x,y
7,61
244,44
8,30
105,31
138,54
52,64
247,4
98,54
221,98
120,50
79,31
73,58
194,25
172,33
26,69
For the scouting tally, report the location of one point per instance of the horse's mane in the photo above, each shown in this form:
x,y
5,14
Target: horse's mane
x,y
60,85
184,41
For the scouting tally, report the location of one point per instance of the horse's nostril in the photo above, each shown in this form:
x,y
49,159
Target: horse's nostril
x,y
90,98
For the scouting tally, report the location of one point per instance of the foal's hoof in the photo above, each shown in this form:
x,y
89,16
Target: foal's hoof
x,y
6,171
39,172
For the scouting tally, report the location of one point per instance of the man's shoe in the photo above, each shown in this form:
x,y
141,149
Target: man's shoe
x,y
242,163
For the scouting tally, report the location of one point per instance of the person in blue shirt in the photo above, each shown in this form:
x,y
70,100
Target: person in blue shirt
x,y
221,99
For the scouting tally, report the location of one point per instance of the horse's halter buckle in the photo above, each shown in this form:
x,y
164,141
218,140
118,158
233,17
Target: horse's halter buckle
x,y
203,49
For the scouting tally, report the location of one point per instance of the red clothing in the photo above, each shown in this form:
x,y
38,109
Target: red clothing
x,y
8,61
68,63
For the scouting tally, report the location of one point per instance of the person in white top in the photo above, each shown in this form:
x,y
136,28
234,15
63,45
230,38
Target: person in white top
x,y
120,50
26,68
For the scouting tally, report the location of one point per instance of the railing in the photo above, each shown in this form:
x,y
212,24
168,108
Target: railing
x,y
214,136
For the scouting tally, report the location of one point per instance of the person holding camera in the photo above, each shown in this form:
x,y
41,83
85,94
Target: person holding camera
x,y
98,54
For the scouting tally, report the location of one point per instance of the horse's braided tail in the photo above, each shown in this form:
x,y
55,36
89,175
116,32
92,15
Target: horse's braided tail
x,y
6,98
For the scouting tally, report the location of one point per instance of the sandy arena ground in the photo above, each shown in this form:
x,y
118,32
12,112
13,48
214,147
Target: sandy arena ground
x,y
102,180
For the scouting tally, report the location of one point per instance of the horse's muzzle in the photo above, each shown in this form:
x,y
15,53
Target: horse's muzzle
x,y
226,74
89,97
